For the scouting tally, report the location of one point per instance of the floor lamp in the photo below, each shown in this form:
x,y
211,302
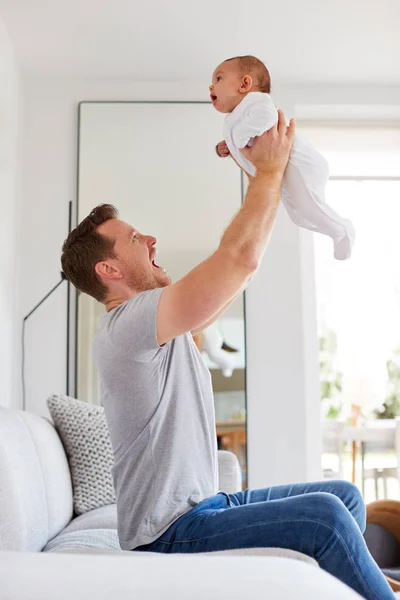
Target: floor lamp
x,y
62,279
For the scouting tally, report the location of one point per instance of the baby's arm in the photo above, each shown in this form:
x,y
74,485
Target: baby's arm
x,y
260,116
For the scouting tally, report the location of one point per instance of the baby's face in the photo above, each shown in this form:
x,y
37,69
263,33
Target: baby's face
x,y
225,88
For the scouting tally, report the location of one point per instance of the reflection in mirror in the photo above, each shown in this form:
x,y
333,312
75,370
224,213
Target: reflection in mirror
x,y
156,162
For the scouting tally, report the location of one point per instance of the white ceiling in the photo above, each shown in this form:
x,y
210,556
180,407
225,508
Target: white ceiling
x,y
332,41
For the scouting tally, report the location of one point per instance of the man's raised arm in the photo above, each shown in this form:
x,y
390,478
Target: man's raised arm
x,y
196,298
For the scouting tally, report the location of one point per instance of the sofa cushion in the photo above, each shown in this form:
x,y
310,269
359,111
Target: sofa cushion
x,y
393,573
230,476
88,532
272,552
100,518
35,483
383,545
105,539
84,432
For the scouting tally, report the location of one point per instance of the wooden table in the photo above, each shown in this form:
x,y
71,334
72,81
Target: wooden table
x,y
385,431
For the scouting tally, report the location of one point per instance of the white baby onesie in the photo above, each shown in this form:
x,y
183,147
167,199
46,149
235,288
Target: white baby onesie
x,y
303,189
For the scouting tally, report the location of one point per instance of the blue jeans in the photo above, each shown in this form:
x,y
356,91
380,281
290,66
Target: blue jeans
x,y
323,520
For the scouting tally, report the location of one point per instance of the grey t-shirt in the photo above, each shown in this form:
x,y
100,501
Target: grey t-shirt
x,y
159,406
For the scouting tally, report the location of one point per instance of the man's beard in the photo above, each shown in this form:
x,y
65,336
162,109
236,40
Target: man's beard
x,y
140,280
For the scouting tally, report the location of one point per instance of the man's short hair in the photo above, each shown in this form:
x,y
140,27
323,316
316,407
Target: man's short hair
x,y
84,248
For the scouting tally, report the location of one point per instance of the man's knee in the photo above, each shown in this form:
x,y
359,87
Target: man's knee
x,y
330,510
346,489
358,508
351,497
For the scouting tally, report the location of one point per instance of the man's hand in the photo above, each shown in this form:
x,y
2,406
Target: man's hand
x,y
270,151
222,149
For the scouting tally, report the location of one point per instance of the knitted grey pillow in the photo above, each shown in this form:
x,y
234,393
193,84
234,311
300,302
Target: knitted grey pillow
x,y
84,433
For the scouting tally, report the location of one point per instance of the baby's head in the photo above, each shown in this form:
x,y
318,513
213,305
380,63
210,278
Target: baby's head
x,y
234,78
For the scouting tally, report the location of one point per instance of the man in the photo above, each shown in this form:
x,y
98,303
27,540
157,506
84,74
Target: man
x,y
157,395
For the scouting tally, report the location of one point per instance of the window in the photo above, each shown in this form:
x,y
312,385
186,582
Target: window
x,y
358,303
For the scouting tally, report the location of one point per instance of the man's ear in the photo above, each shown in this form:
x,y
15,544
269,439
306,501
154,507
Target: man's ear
x,y
106,271
247,84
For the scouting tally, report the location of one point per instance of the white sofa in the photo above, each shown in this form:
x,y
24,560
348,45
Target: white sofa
x,y
38,534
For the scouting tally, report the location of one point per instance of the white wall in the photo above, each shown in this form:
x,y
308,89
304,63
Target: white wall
x,y
9,323
283,397
49,182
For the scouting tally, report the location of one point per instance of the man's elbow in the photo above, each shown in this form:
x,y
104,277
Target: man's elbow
x,y
250,262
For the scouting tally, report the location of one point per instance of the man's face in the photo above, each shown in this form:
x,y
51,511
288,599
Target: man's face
x,y
135,254
224,90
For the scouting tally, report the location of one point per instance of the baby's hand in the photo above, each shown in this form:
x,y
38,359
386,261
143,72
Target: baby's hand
x,y
222,150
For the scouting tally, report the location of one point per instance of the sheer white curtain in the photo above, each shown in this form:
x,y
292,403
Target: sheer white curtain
x,y
358,299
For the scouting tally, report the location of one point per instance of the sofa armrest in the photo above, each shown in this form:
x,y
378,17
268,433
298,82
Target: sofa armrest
x,y
130,575
230,475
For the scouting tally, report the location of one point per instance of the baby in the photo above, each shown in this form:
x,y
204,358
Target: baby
x,y
240,88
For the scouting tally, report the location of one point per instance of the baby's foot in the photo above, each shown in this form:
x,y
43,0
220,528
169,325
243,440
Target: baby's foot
x,y
343,246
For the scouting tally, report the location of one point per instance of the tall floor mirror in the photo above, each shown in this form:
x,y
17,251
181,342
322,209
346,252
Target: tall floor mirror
x,y
156,162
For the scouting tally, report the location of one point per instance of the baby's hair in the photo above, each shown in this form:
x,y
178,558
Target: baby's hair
x,y
250,65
